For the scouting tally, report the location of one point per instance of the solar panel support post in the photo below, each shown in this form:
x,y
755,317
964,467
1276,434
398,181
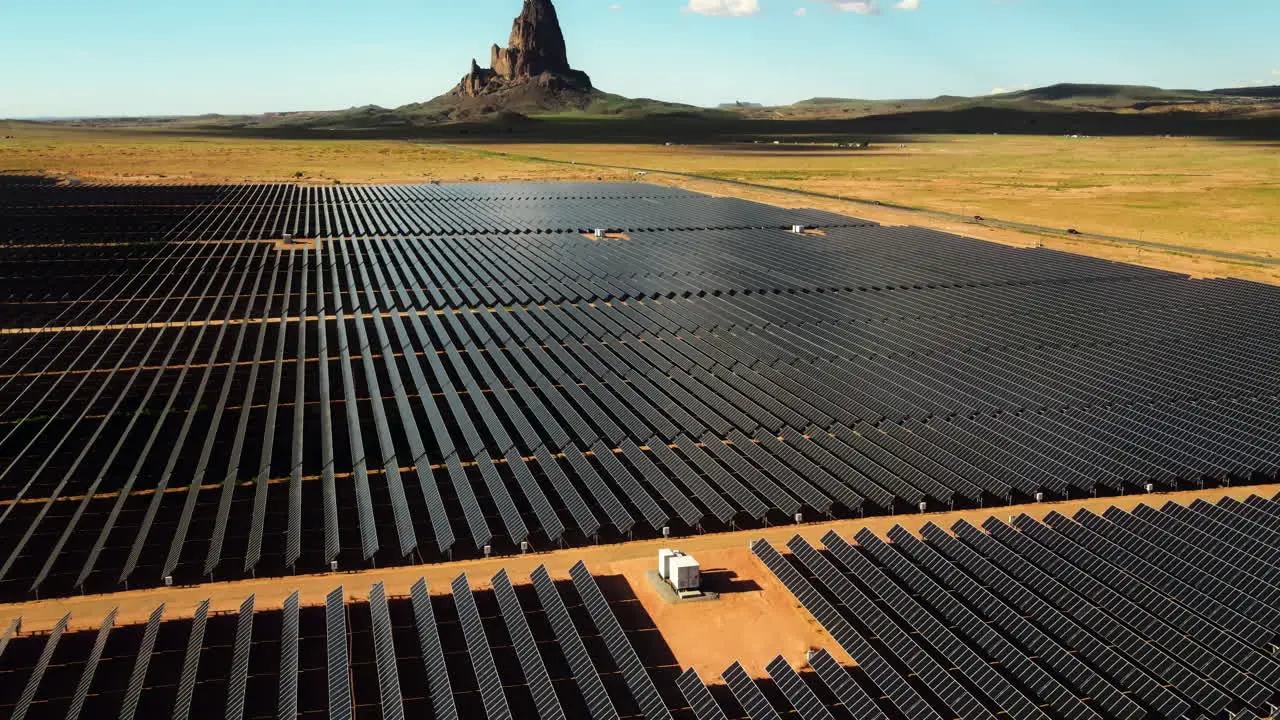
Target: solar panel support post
x,y
488,550
799,518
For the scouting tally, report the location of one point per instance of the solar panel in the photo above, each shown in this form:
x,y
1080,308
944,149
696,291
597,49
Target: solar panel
x,y
491,691
535,670
1148,656
963,622
240,661
599,490
366,523
691,479
287,703
1065,663
442,704
748,695
141,661
337,659
575,652
480,532
551,524
516,529
569,494
385,654
257,525
293,536
908,646
1190,683
673,495
800,695
38,670
699,698
332,545
855,699
1127,598
620,648
191,662
885,675
631,487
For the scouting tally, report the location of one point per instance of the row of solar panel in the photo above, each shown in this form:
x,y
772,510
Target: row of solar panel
x,y
475,662
547,411
1164,613
505,270
259,212
251,212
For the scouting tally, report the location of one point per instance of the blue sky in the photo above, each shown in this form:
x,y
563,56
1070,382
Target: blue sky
x,y
114,57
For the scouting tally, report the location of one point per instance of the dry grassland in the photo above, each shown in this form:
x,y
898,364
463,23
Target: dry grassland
x,y
1207,193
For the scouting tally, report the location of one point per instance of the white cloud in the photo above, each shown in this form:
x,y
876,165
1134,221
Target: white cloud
x,y
1275,73
724,8
801,12
615,6
862,7
908,5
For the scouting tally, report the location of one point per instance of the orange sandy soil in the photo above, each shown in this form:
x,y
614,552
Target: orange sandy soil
x,y
751,623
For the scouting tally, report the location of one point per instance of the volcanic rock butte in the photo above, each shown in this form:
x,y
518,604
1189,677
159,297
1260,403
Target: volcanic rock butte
x,y
535,55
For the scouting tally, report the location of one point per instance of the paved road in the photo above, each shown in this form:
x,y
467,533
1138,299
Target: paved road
x,y
986,221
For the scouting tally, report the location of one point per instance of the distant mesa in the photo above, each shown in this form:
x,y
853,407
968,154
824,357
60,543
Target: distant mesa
x,y
535,56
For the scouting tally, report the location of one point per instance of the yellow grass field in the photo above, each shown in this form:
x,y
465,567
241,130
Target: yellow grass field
x,y
1219,195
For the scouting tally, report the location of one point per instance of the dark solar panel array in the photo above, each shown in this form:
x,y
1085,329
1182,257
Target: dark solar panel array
x,y
48,214
221,410
1093,616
